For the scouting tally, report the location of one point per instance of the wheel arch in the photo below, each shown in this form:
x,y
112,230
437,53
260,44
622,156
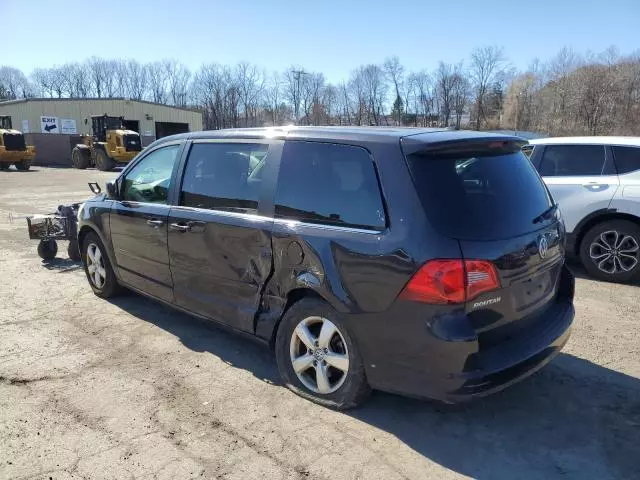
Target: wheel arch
x,y
90,228
293,296
595,218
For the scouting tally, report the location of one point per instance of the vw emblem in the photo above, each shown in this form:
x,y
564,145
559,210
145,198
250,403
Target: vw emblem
x,y
543,247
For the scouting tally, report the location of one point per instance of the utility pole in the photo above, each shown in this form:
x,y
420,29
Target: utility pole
x,y
297,74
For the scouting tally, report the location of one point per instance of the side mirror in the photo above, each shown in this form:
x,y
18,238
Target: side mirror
x,y
112,190
86,120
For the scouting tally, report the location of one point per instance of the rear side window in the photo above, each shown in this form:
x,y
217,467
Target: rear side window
x,y
572,160
479,198
329,184
527,150
223,176
627,159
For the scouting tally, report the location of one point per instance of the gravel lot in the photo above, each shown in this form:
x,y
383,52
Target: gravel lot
x,y
131,389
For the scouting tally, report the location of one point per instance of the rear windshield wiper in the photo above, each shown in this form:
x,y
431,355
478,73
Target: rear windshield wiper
x,y
549,211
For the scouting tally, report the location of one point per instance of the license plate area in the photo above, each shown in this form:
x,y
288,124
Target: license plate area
x,y
534,290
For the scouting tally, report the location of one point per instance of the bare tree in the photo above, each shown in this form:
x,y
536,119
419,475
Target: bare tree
x,y
422,85
15,83
157,74
372,79
445,81
42,78
250,82
177,77
98,70
486,64
395,72
293,82
460,92
136,80
274,99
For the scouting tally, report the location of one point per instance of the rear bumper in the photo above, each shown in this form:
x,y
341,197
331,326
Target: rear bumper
x,y
512,362
442,359
17,155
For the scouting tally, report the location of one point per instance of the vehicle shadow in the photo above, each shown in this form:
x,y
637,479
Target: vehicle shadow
x,y
580,272
573,419
61,265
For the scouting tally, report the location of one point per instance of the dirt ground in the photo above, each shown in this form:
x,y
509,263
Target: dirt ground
x,y
131,389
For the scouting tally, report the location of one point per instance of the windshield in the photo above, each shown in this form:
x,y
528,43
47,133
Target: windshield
x,y
482,197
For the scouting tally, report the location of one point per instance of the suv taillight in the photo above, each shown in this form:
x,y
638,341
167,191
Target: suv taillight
x,y
451,281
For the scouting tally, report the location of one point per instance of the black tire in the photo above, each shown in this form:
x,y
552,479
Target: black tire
x,y
73,251
47,249
110,287
623,269
80,158
24,165
354,389
4,166
103,162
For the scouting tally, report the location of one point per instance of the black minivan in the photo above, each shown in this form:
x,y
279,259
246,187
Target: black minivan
x,y
426,262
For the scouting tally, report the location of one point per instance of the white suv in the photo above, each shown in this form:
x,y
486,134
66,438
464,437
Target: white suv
x,y
596,182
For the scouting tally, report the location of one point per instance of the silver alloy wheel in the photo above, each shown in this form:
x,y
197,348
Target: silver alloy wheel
x,y
319,355
95,266
615,252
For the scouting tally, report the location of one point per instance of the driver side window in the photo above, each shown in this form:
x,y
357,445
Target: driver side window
x,y
149,180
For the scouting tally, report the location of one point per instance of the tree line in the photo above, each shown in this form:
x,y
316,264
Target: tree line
x,y
569,94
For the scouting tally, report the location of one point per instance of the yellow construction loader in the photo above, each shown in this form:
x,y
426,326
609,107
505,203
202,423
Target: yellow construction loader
x,y
13,148
109,145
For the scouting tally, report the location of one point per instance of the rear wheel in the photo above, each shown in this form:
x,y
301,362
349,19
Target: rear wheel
x,y
98,268
80,158
4,166
103,162
73,251
318,359
23,165
610,251
47,249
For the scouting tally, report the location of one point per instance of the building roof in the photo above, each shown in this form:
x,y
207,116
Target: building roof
x,y
632,141
105,99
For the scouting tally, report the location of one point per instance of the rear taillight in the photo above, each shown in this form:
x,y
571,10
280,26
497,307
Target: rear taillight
x,y
451,281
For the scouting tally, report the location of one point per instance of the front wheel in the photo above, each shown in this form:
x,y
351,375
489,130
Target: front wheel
x,y
98,268
80,158
23,165
318,359
103,161
610,251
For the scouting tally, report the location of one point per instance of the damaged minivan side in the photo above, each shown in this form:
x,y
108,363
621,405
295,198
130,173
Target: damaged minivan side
x,y
420,261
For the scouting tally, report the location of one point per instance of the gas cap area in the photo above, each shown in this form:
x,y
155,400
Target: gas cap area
x,y
294,254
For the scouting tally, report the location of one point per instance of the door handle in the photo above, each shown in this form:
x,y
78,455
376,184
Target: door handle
x,y
180,227
195,227
154,222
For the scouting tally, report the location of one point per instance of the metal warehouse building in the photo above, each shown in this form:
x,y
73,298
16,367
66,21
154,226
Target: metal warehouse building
x,y
53,125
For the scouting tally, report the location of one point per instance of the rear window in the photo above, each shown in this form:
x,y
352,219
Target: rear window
x,y
572,161
480,198
627,159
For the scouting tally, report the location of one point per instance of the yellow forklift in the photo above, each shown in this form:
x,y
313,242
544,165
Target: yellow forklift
x,y
109,145
13,148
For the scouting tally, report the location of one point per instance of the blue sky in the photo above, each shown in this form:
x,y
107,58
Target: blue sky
x,y
328,36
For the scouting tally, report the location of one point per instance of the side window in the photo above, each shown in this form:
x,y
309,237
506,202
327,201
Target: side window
x,y
329,184
572,160
149,180
527,150
224,176
627,159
